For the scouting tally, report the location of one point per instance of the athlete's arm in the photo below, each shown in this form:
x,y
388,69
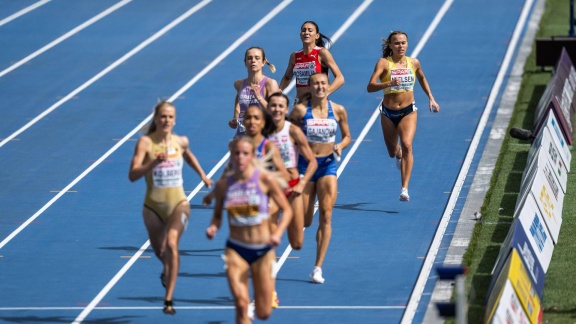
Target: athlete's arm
x,y
277,162
216,221
233,123
425,86
297,113
192,161
340,113
289,73
380,69
278,196
326,59
138,167
306,152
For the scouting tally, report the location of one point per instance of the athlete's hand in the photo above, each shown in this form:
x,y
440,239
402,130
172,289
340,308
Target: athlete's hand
x,y
256,89
161,158
207,200
233,123
207,182
274,240
434,107
211,231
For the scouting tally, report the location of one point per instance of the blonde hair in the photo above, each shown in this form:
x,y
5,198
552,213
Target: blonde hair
x,y
151,127
264,164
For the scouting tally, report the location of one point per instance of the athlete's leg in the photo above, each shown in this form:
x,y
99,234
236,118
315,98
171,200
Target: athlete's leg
x,y
406,131
390,136
237,272
296,226
308,198
263,281
327,190
175,227
156,231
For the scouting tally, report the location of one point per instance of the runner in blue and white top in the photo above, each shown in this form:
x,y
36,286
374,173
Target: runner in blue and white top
x,y
320,119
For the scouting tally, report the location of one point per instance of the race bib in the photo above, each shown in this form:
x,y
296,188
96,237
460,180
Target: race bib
x,y
406,77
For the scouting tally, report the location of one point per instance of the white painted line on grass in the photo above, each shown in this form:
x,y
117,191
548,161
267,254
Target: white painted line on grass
x,y
435,245
111,67
23,12
64,37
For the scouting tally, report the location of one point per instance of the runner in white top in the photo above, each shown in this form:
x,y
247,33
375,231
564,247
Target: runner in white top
x,y
291,142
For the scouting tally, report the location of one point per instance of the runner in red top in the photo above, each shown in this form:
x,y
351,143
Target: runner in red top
x,y
314,57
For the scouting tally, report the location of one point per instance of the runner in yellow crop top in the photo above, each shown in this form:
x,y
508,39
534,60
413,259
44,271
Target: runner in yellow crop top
x,y
395,74
159,157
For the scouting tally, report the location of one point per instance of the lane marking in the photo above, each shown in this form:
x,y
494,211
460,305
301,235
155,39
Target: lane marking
x,y
187,307
189,84
117,145
435,245
111,67
23,11
65,36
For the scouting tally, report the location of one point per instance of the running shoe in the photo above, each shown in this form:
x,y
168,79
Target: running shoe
x,y
275,300
404,195
168,308
316,275
251,310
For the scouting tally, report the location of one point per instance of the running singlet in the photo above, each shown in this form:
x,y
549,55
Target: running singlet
x,y
320,130
261,149
247,98
306,65
406,75
164,189
245,202
288,150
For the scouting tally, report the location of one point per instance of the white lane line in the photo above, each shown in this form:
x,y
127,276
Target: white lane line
x,y
115,147
187,307
64,37
111,67
23,12
367,127
414,300
229,50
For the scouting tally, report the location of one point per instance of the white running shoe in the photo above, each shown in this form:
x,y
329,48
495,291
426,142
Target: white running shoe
x,y
404,195
316,275
251,310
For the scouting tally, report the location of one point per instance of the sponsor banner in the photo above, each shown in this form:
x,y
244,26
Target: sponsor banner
x,y
559,97
508,309
565,71
549,198
534,227
517,238
544,147
558,138
515,273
